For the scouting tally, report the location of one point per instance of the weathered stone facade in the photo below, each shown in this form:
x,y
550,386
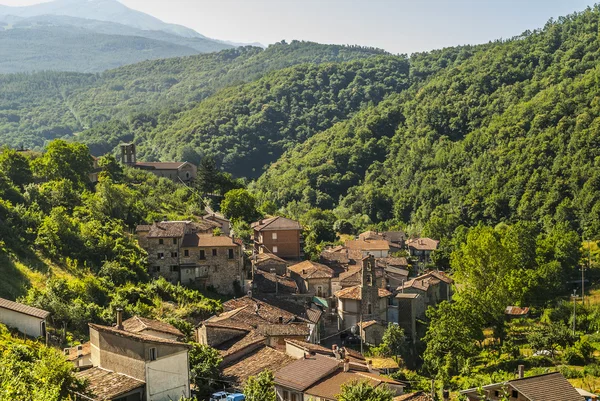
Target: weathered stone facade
x,y
187,253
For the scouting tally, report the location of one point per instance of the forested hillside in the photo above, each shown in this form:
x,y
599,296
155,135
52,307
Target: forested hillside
x,y
249,126
501,132
38,107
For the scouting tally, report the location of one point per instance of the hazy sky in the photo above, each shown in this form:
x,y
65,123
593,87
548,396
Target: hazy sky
x,y
399,26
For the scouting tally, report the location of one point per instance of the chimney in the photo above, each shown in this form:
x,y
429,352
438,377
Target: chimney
x,y
346,365
79,351
521,371
119,319
370,365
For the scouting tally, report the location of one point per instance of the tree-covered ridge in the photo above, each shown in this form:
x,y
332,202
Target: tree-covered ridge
x,y
505,131
249,126
58,107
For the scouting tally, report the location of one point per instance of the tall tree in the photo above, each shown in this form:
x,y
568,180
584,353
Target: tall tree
x,y
261,387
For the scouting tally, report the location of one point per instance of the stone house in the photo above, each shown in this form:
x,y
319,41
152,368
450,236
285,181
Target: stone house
x,y
267,262
137,366
422,248
547,387
405,310
273,284
377,248
187,252
183,172
371,332
222,221
363,302
433,286
27,319
280,236
312,278
395,239
80,355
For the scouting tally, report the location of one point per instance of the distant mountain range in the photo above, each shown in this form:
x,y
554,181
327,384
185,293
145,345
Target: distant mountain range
x,y
91,36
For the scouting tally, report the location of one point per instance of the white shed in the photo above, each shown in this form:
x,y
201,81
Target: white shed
x,y
27,319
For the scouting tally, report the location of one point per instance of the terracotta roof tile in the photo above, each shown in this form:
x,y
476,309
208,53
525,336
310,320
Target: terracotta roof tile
x,y
309,347
548,387
330,386
370,323
268,257
303,373
160,165
423,244
254,363
368,245
24,309
291,329
139,324
356,293
108,385
516,311
250,339
309,269
276,223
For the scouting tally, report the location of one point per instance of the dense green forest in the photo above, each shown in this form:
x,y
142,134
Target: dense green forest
x,y
505,131
35,108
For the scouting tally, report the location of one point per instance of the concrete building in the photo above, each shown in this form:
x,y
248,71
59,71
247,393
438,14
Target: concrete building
x,y
183,172
136,366
188,253
280,236
27,319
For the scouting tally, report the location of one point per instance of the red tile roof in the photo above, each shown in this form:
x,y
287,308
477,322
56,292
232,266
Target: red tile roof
x,y
268,283
208,240
75,352
356,293
255,362
516,311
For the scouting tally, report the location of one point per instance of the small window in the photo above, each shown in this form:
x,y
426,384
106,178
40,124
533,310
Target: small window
x,y
174,241
160,255
157,269
286,395
496,393
515,394
186,252
202,254
161,241
274,235
319,291
214,252
369,309
274,249
173,254
230,252
174,268
153,354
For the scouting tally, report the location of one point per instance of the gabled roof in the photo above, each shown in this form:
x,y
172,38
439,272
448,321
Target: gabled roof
x,y
423,282
309,269
364,325
391,262
309,347
160,165
138,324
238,344
24,309
140,337
108,385
370,235
356,293
268,257
423,244
303,373
276,223
368,245
255,362
330,386
167,229
546,387
290,329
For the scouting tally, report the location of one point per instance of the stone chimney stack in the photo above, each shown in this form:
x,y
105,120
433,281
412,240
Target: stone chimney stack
x,y
521,371
119,319
346,365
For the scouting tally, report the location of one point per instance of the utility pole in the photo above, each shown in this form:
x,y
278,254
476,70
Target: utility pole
x,y
574,297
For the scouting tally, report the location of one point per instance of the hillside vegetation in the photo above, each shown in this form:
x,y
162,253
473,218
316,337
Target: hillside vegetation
x,y
35,108
505,131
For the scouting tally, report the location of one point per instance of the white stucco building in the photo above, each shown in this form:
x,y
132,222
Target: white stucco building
x,y
27,319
